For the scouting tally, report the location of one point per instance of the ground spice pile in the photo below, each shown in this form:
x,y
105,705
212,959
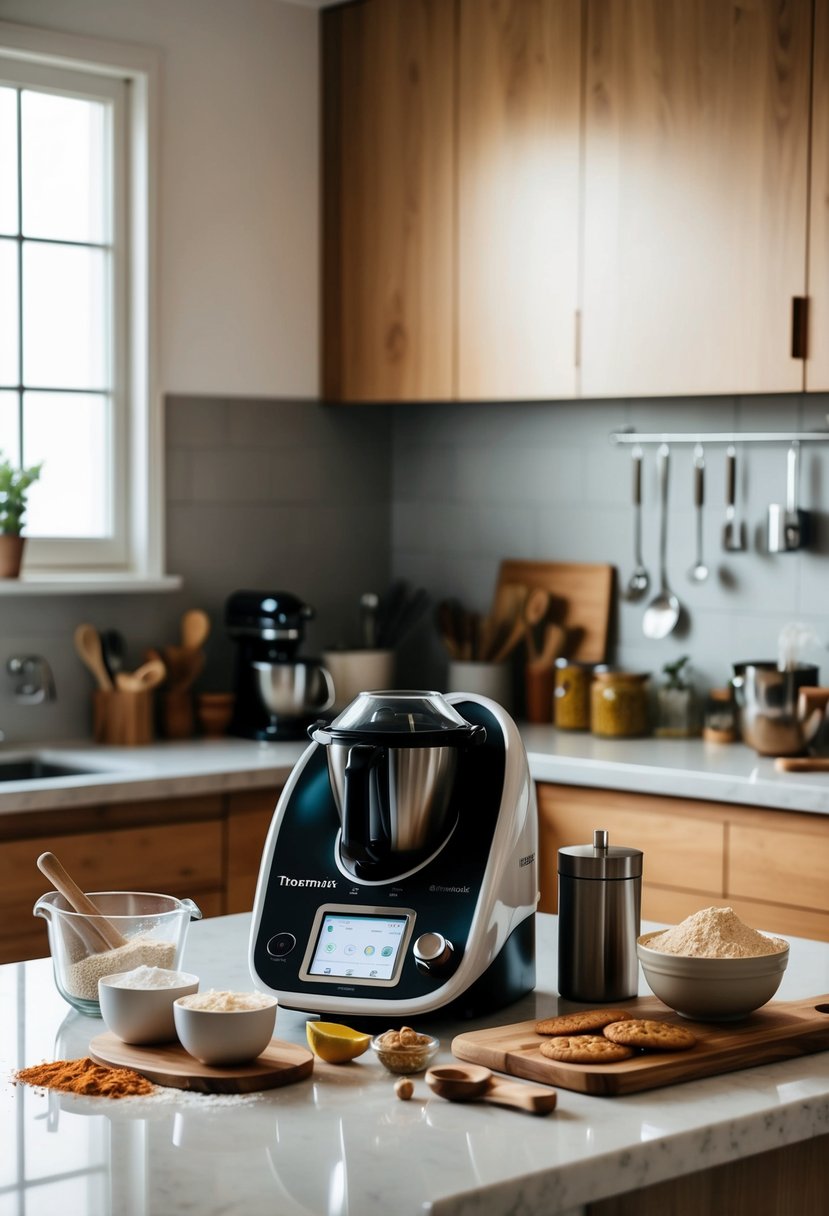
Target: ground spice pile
x,y
85,1077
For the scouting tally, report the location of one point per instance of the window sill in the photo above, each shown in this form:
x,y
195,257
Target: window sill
x,y
93,583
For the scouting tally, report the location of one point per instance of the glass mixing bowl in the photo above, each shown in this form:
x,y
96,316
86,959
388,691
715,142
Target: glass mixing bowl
x,y
154,927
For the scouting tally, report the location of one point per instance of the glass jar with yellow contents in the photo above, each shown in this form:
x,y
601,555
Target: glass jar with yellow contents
x,y
619,704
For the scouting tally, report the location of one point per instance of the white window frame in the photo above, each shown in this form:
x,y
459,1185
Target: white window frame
x,y
140,564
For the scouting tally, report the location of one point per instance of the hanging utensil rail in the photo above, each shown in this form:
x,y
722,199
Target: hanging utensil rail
x,y
706,437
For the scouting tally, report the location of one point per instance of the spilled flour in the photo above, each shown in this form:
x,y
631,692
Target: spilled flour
x,y
715,933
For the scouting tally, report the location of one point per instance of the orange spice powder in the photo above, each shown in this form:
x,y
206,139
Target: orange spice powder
x,y
85,1077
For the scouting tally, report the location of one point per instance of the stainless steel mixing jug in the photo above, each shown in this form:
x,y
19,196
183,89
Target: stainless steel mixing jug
x,y
777,716
392,758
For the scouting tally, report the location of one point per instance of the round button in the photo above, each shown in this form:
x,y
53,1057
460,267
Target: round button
x,y
281,944
433,951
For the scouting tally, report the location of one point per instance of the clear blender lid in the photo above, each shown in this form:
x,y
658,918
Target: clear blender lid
x,y
399,719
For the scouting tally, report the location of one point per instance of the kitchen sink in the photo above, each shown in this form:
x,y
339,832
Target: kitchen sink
x,y
32,768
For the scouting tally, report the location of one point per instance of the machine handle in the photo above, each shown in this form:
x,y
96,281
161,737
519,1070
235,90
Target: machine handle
x,y
356,842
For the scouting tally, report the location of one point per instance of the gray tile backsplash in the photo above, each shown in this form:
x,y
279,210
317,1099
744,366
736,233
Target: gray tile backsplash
x,y
328,501
543,480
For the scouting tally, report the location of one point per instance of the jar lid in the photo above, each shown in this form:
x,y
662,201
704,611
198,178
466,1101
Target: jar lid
x,y
600,859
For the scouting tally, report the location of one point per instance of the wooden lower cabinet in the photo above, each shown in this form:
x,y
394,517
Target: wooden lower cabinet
x,y
202,848
248,819
788,1180
772,867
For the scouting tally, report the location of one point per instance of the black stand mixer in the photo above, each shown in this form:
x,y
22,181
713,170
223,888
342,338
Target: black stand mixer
x,y
399,873
277,694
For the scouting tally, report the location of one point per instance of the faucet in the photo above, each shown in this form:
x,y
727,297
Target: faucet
x,y
35,681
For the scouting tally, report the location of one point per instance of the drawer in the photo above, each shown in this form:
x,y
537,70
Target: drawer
x,y
783,867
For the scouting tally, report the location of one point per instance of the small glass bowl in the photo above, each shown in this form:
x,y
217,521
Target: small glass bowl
x,y
407,1059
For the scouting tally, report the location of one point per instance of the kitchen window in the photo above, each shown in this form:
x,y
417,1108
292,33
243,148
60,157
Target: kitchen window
x,y
76,360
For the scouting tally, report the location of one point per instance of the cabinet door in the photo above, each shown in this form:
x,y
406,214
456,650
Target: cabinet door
x,y
817,363
518,197
696,145
388,100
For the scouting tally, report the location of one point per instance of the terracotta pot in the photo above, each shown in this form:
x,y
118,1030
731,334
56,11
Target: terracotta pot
x,y
11,554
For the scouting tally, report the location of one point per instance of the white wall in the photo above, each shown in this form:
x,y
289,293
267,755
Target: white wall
x,y
239,184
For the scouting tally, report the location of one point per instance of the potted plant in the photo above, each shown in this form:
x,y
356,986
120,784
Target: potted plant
x,y
677,711
14,491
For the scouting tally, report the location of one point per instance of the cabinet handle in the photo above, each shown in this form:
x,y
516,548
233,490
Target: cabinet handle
x,y
800,327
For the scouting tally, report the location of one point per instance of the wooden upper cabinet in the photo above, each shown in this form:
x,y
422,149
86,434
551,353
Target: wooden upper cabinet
x,y
696,182
519,81
388,200
817,363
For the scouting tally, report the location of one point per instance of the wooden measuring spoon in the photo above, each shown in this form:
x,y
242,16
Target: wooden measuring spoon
x,y
474,1083
90,652
80,902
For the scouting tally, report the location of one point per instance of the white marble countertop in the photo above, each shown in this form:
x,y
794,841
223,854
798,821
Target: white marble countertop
x,y
340,1142
681,768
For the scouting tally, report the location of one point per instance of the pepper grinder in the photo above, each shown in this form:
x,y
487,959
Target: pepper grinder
x,y
599,903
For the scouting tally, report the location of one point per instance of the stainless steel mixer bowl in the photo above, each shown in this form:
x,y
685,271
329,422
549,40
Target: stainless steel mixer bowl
x,y
417,782
775,720
296,689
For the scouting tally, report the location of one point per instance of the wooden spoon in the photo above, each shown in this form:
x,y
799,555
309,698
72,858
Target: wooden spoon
x,y
195,629
49,865
555,640
473,1083
90,652
533,611
143,679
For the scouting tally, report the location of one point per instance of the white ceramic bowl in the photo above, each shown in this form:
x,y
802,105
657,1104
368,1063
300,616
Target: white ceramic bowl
x,y
711,989
225,1036
143,1015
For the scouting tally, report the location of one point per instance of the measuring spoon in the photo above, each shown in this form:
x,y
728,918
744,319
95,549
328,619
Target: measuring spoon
x,y
474,1083
662,613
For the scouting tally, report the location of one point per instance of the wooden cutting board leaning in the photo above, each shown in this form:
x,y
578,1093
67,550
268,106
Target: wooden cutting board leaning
x,y
780,1030
169,1064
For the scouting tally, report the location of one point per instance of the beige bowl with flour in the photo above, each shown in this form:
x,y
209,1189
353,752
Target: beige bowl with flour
x,y
711,989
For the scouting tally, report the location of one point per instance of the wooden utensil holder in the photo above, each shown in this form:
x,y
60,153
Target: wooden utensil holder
x,y
177,714
122,718
539,688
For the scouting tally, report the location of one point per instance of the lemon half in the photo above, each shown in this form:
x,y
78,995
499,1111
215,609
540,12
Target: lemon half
x,y
334,1043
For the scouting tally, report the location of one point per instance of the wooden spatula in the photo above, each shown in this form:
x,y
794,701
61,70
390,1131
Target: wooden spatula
x,y
79,901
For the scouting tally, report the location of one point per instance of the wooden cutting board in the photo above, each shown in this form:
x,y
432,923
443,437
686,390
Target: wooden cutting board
x,y
169,1064
780,1030
582,594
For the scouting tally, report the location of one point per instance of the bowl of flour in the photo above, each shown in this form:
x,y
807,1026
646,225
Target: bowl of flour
x,y
713,967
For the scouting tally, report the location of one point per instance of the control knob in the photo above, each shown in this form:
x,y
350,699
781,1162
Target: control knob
x,y
433,952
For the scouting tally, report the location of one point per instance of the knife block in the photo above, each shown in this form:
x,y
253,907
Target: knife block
x,y
122,718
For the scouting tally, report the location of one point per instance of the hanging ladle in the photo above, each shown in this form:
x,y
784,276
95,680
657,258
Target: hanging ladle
x,y
662,613
474,1083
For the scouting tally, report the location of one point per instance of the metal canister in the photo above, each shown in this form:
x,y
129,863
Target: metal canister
x,y
599,908
571,698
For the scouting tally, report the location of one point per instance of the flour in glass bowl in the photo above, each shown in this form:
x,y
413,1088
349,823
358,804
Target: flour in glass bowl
x,y
715,933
